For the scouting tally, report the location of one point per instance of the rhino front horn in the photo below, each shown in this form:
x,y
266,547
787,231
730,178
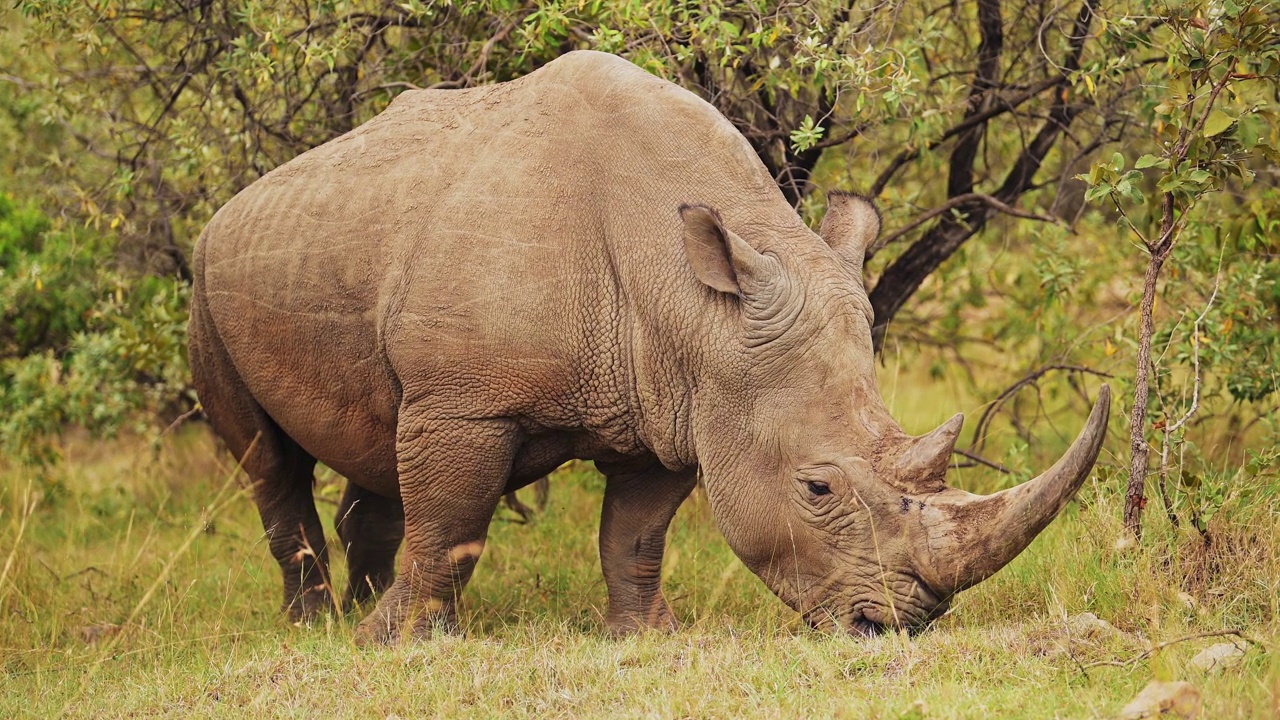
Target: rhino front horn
x,y
969,537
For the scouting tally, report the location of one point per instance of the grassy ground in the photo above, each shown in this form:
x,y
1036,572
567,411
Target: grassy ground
x,y
139,584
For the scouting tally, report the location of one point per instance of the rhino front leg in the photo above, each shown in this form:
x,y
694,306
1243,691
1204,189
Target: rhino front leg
x,y
371,528
452,473
638,506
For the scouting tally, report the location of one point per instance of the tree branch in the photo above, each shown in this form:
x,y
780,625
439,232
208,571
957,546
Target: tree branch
x,y
998,107
954,202
904,276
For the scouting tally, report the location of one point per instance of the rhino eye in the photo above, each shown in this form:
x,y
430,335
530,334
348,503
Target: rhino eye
x,y
819,488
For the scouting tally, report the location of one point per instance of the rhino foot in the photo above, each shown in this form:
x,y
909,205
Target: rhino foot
x,y
622,624
398,617
307,605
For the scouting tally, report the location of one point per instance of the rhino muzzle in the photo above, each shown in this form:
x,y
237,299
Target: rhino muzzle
x,y
953,539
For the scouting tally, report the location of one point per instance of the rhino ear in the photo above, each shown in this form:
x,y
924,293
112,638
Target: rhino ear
x,y
852,223
719,258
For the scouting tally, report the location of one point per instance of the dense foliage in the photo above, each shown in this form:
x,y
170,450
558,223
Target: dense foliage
x,y
80,343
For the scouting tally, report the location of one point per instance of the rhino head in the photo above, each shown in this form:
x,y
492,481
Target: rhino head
x,y
817,489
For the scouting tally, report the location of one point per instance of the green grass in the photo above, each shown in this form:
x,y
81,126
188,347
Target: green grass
x,y
160,544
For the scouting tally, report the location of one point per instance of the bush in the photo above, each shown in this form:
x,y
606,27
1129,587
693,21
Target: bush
x,y
81,343
47,282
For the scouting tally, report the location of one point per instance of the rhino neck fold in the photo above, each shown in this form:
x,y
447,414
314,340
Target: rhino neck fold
x,y
664,398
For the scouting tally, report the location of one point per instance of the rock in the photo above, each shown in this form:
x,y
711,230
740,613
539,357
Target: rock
x,y
1087,625
1187,600
1216,658
919,710
1164,699
91,634
1078,632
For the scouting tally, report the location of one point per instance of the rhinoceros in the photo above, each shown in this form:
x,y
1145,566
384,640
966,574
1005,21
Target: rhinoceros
x,y
477,285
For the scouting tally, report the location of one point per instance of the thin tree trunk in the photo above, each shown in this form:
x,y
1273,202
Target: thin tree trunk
x,y
1135,497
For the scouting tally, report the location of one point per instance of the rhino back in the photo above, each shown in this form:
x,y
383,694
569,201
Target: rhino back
x,y
490,252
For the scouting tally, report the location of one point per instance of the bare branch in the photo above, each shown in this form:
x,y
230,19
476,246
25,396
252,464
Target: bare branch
x,y
998,107
1160,646
954,202
398,85
981,460
482,59
988,414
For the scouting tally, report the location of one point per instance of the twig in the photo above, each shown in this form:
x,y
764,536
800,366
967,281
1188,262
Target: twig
x,y
999,106
984,421
956,201
481,60
982,461
1162,485
1195,356
1171,428
1160,646
182,420
398,85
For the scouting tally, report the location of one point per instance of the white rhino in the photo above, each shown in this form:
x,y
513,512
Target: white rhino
x,y
477,285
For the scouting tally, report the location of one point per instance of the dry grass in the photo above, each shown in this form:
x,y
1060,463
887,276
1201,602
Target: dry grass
x,y
137,583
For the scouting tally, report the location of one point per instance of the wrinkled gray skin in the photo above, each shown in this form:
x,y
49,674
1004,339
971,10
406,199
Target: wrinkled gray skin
x,y
589,262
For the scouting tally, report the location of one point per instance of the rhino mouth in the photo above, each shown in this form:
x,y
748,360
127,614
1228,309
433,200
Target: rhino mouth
x,y
855,625
864,628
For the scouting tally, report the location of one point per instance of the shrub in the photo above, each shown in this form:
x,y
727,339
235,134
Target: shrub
x,y
81,342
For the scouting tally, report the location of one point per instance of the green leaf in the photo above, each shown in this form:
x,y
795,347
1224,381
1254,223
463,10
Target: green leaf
x,y
1117,162
1098,191
1148,161
808,135
1134,194
1268,151
1217,123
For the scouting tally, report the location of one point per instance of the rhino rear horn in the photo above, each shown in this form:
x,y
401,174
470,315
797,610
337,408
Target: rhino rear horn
x,y
923,465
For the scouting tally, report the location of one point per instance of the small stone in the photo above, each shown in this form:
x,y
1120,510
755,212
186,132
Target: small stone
x,y
1160,699
1088,625
1216,658
1187,600
1078,632
92,634
919,710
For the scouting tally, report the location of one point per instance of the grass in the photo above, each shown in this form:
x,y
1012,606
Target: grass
x,y
136,582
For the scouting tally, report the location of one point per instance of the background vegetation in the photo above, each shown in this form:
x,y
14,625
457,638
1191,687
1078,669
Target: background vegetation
x,y
1073,191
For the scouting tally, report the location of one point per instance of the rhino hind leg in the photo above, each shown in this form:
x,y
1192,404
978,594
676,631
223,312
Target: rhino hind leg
x,y
452,473
639,503
371,527
282,473
541,490
513,503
